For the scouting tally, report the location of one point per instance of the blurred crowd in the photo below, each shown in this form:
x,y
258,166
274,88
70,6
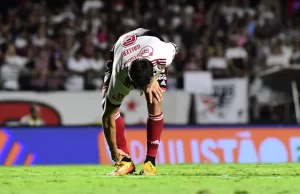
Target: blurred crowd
x,y
46,46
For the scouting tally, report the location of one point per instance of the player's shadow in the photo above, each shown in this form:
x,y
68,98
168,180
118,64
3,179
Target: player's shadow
x,y
204,192
208,192
241,192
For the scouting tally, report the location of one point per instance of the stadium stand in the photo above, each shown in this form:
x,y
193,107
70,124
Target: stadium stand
x,y
46,47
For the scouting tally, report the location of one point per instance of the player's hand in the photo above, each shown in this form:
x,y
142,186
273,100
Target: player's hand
x,y
117,155
155,91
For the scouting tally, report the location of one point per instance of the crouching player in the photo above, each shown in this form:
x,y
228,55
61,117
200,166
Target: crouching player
x,y
138,60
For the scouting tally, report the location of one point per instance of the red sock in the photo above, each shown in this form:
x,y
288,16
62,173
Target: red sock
x,y
154,129
120,133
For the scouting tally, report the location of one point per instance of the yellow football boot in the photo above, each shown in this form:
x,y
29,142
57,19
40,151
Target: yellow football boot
x,y
123,168
148,169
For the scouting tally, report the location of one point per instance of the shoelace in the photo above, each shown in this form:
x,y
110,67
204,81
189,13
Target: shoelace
x,y
118,165
152,168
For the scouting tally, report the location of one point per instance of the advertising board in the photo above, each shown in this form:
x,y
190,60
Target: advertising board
x,y
86,145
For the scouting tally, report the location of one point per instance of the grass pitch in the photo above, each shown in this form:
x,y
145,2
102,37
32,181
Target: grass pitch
x,y
172,179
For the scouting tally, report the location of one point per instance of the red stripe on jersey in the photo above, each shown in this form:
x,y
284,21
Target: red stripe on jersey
x,y
159,61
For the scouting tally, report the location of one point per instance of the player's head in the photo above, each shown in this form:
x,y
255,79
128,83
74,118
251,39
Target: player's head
x,y
141,72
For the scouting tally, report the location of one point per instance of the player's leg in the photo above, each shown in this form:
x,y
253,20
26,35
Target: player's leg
x,y
154,128
120,133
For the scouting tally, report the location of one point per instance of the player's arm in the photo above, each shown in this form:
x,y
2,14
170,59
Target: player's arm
x,y
109,127
168,51
107,76
154,86
110,110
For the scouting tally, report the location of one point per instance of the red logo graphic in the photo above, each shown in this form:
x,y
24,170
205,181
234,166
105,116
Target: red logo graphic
x,y
131,105
211,103
15,110
14,151
129,40
146,51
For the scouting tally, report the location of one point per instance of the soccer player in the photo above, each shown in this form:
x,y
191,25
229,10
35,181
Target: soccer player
x,y
138,60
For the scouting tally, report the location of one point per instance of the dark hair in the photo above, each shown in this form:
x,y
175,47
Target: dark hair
x,y
141,72
32,107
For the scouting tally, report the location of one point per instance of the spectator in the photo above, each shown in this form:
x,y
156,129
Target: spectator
x,y
40,39
27,71
237,58
92,4
217,63
277,57
57,74
21,42
77,66
41,70
102,37
33,118
97,70
295,58
11,69
193,65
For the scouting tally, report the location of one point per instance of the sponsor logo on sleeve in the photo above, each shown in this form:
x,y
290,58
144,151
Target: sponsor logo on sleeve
x,y
146,51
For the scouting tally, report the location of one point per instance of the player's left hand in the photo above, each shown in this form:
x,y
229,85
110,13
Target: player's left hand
x,y
155,91
118,154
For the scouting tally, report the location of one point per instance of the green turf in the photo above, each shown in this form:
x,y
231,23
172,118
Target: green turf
x,y
172,179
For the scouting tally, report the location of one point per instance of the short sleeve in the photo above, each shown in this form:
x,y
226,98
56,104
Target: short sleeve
x,y
165,56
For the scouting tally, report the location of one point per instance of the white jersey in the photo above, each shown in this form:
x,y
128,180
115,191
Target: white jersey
x,y
129,47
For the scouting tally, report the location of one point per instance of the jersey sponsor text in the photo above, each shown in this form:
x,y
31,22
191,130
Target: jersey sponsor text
x,y
146,51
119,97
127,82
130,50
